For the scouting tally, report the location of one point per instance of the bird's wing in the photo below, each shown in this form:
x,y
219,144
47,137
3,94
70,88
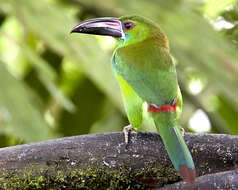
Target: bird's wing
x,y
152,74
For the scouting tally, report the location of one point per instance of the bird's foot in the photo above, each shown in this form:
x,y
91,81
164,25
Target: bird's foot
x,y
182,131
126,130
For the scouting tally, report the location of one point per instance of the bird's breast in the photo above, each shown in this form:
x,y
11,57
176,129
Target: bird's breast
x,y
157,87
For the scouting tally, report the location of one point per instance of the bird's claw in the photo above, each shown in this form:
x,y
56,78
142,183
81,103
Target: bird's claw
x,y
182,131
126,130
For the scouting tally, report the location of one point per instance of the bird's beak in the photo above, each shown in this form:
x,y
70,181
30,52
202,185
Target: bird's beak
x,y
101,26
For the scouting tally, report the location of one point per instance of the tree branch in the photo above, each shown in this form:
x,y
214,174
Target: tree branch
x,y
223,180
102,160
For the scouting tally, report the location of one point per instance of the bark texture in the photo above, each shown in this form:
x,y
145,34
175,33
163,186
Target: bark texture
x,y
103,161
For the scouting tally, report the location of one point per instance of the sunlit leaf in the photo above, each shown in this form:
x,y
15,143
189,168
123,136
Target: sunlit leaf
x,y
18,113
54,27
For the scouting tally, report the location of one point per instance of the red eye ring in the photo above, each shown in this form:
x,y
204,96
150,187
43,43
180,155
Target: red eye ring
x,y
127,25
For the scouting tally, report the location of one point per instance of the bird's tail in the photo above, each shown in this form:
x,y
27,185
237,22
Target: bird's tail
x,y
178,152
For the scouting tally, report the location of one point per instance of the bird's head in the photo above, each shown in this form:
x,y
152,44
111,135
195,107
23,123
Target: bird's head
x,y
127,29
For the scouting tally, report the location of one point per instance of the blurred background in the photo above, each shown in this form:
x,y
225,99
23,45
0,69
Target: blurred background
x,y
53,84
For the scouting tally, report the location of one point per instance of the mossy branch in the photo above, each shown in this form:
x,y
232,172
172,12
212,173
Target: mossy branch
x,y
102,160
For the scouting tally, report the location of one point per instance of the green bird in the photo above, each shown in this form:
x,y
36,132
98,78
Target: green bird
x,y
146,73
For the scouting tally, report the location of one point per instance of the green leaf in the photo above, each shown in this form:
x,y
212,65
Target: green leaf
x,y
53,27
18,113
215,7
47,76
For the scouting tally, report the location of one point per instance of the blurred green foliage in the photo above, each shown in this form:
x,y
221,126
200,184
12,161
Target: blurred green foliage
x,y
61,85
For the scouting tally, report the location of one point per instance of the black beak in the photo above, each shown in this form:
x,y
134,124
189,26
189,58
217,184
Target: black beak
x,y
100,26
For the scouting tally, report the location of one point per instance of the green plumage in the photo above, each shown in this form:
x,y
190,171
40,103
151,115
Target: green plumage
x,y
133,103
146,73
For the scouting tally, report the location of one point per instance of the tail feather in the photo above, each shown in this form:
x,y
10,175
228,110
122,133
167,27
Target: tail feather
x,y
187,174
178,152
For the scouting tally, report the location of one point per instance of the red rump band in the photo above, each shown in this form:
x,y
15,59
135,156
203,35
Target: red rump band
x,y
162,109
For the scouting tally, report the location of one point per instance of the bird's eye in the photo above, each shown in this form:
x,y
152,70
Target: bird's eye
x,y
128,25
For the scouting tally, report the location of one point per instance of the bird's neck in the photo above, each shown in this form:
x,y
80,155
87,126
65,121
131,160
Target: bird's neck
x,y
154,38
144,56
